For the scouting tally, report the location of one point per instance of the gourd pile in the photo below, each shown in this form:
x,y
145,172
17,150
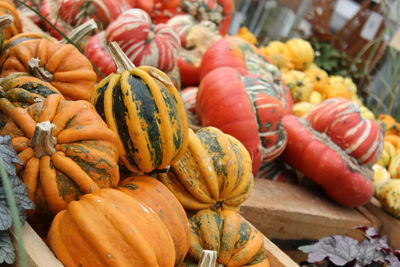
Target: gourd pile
x,y
140,140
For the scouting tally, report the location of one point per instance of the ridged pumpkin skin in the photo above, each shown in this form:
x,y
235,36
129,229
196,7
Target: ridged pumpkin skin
x,y
341,120
144,109
70,71
96,51
23,90
312,153
246,107
301,52
214,172
143,42
247,59
235,242
84,159
155,195
110,228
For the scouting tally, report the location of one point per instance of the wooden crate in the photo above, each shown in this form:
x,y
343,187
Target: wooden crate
x,y
291,215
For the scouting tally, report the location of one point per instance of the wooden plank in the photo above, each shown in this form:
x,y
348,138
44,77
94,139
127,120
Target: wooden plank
x,y
39,254
276,256
286,211
390,225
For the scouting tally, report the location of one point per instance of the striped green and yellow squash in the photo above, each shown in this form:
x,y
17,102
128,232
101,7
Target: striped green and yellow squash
x,y
215,172
234,240
143,107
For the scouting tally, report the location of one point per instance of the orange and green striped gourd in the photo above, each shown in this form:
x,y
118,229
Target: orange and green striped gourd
x,y
143,107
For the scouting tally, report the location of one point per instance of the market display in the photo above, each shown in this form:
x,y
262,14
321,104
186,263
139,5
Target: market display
x,y
137,128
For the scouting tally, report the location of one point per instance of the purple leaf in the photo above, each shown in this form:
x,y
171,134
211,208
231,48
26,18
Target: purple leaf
x,y
393,260
369,253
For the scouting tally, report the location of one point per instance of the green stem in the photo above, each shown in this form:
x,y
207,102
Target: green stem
x,y
23,259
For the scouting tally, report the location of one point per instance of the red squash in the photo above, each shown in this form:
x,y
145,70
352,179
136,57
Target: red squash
x,y
312,153
97,52
49,9
246,58
143,42
188,96
340,119
159,10
246,107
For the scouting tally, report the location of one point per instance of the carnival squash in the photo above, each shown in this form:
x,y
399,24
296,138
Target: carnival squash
x,y
247,59
246,107
321,160
143,42
142,106
62,65
340,119
235,241
110,228
155,195
214,172
97,52
66,148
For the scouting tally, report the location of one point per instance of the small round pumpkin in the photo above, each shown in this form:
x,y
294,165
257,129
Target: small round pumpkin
x,y
299,84
215,172
66,148
155,195
234,240
319,77
62,65
336,90
278,54
142,106
301,52
110,228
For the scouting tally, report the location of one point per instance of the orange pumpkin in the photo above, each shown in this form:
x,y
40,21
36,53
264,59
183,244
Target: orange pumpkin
x,y
157,196
62,65
109,228
16,26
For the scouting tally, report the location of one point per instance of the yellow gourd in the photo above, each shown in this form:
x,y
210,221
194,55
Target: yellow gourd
x,y
347,82
319,77
394,167
299,84
388,152
316,97
301,52
246,35
301,109
278,54
336,90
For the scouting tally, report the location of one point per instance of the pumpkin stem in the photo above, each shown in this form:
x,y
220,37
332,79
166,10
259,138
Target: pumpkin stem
x,y
43,141
81,31
38,71
120,59
208,258
6,21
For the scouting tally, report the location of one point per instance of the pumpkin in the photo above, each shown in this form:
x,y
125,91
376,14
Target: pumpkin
x,y
155,195
188,96
347,82
340,119
388,153
12,25
318,158
66,148
393,139
49,9
278,54
23,90
299,84
195,39
76,12
142,106
214,172
217,11
97,52
319,77
390,124
159,10
246,35
235,241
110,228
315,98
233,102
301,53
143,42
62,65
247,59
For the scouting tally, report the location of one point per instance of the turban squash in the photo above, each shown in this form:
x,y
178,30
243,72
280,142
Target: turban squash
x,y
23,90
97,52
110,228
62,65
314,154
214,172
142,106
143,42
154,194
66,148
235,241
246,107
247,59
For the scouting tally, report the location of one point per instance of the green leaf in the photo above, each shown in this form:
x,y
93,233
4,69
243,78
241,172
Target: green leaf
x,y
7,252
